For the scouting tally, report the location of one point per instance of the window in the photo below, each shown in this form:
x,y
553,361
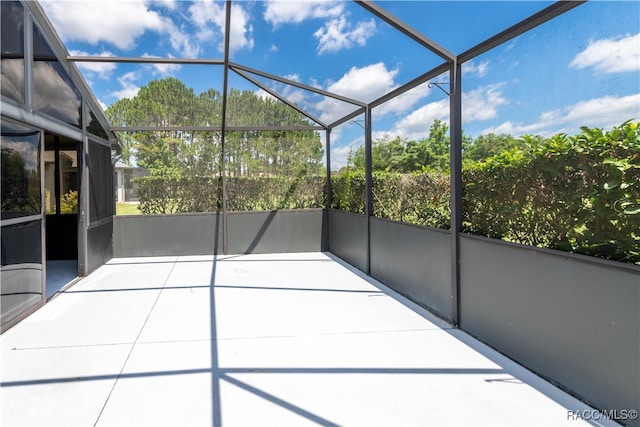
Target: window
x,y
21,194
12,64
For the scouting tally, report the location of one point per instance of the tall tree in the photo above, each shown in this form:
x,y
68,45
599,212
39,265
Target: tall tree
x,y
489,145
169,103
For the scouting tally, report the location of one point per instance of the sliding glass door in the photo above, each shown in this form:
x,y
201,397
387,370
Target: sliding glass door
x,y
21,222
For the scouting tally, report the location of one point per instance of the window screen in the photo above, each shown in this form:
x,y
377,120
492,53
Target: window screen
x,y
101,176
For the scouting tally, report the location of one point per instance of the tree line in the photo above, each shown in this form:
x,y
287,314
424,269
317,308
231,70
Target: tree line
x,y
168,102
579,193
430,153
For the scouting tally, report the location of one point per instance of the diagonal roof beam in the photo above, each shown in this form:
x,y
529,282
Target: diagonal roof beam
x,y
348,117
237,67
533,21
435,72
279,97
406,29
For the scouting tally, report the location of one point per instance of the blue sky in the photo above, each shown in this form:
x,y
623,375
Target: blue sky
x,y
582,68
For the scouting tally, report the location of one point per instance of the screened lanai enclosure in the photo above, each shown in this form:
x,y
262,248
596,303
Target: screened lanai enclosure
x,y
481,159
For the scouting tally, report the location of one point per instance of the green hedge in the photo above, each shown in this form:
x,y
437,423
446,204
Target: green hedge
x,y
164,195
574,193
418,198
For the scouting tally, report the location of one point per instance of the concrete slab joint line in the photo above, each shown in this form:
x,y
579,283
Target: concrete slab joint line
x,y
133,345
276,339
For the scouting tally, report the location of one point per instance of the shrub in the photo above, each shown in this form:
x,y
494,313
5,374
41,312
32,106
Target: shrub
x,y
69,202
576,193
164,195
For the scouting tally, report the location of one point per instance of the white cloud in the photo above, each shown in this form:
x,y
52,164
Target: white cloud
x,y
610,55
604,112
293,12
295,96
404,102
340,156
241,32
471,68
207,12
261,93
103,105
118,23
181,42
477,105
129,87
364,84
337,34
482,103
293,77
102,69
169,4
54,95
416,125
12,81
163,70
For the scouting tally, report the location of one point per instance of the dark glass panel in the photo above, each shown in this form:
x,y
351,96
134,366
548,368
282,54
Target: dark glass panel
x,y
20,171
96,128
101,177
21,272
54,92
12,63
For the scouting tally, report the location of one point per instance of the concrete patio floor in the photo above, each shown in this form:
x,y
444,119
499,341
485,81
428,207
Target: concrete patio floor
x,y
256,340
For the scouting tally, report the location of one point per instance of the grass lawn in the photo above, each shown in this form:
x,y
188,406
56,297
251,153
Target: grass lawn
x,y
127,209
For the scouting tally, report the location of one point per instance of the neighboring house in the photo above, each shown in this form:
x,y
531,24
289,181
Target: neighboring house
x,y
126,190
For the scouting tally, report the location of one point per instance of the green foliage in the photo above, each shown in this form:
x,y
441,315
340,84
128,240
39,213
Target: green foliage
x,y
577,193
397,155
169,103
165,195
272,193
69,202
418,198
127,209
489,145
20,185
171,194
348,191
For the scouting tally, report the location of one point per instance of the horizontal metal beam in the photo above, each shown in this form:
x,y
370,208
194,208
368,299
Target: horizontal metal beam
x,y
406,29
533,21
165,128
235,66
279,97
276,128
20,220
33,119
144,60
209,128
435,72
